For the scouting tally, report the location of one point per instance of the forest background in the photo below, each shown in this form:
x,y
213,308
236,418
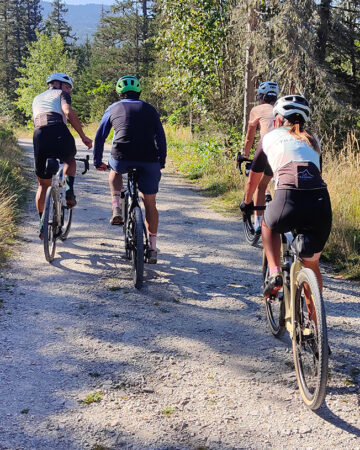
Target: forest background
x,y
199,62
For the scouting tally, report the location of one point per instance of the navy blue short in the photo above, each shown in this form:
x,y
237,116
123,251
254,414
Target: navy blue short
x,y
149,173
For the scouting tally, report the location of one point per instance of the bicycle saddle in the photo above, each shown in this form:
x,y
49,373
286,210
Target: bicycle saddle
x,y
52,166
302,247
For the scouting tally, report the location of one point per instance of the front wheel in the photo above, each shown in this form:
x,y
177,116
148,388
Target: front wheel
x,y
66,219
310,343
251,236
275,306
137,254
50,224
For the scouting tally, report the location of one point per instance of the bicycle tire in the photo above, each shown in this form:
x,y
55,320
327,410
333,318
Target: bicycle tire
x,y
275,308
66,219
137,251
126,227
251,237
49,221
310,343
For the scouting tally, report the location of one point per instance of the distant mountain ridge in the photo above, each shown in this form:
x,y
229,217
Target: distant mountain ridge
x,y
83,18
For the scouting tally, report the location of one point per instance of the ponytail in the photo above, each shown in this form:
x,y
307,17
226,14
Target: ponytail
x,y
298,131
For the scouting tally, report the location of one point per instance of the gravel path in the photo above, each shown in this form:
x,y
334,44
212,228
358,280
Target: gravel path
x,y
186,363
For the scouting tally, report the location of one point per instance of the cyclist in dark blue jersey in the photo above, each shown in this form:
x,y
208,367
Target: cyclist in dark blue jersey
x,y
139,141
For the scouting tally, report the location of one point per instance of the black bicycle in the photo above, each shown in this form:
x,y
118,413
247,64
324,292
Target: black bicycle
x,y
135,233
252,236
57,215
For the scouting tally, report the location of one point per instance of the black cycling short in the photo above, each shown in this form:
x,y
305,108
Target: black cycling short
x,y
53,141
306,211
260,161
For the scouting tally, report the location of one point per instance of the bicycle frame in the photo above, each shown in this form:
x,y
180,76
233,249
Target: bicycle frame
x,y
289,286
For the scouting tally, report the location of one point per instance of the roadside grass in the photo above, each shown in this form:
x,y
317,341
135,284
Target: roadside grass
x,y
95,397
212,167
12,189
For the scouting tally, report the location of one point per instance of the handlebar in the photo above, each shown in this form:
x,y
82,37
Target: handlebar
x,y
239,163
86,163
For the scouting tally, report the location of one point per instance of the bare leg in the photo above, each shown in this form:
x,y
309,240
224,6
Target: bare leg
x,y
151,212
115,181
70,168
259,198
41,193
271,242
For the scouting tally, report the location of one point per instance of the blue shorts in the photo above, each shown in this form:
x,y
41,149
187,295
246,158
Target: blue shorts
x,y
149,173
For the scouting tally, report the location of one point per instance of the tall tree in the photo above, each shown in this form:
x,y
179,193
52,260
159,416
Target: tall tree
x,y
46,55
56,22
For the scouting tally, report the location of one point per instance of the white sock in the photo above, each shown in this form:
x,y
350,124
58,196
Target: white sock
x,y
257,222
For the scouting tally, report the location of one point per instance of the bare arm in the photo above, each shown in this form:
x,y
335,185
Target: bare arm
x,y
72,117
249,139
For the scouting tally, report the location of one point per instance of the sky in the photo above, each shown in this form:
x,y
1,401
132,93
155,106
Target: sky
x,y
84,2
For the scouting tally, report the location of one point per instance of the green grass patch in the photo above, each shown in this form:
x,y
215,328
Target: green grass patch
x,y
95,397
167,412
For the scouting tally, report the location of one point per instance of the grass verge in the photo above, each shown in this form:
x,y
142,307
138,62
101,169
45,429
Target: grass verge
x,y
212,166
12,189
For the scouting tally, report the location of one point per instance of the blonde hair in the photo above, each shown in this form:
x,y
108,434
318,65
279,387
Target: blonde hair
x,y
298,131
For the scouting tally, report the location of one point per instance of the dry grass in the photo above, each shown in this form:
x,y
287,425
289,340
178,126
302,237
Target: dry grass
x,y
12,189
215,171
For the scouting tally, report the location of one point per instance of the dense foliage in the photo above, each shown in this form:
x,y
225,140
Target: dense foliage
x,y
199,60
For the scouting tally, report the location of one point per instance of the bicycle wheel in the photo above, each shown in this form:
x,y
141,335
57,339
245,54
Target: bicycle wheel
x,y
50,224
66,219
137,252
248,225
126,227
310,344
275,306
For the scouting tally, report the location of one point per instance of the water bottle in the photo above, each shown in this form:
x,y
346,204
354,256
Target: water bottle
x,y
267,196
247,168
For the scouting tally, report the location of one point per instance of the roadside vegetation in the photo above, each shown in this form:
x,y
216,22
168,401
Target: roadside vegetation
x,y
12,189
212,166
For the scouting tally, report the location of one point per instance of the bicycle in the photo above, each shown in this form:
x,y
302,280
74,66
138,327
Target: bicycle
x,y
251,236
299,309
57,216
135,233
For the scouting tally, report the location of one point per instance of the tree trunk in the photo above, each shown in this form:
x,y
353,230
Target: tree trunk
x,y
323,30
249,91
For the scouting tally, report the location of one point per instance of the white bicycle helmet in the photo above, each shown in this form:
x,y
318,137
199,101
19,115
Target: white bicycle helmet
x,y
293,108
62,77
268,86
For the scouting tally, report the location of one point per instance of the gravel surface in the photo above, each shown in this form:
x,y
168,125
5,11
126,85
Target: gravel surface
x,y
188,362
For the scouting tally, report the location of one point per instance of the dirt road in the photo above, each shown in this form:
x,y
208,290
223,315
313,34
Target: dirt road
x,y
186,363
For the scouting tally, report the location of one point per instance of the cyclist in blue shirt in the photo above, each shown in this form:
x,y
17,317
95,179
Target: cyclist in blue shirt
x,y
139,141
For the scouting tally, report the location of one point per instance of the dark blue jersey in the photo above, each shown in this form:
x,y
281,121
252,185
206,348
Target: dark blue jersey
x,y
138,133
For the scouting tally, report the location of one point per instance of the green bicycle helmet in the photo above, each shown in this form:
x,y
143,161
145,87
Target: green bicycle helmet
x,y
128,83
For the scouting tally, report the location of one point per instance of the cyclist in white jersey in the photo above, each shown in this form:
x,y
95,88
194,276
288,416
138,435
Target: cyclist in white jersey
x,y
52,139
301,201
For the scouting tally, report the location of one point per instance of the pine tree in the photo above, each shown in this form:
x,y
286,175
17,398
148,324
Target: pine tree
x,y
56,23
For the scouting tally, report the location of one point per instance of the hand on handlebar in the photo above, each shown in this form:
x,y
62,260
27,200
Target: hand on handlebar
x,y
241,158
246,207
103,167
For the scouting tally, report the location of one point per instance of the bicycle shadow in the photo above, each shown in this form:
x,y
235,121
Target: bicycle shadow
x,y
329,416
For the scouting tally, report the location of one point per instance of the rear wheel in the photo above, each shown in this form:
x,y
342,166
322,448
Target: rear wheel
x,y
137,255
137,246
275,306
251,236
310,344
66,219
50,224
127,231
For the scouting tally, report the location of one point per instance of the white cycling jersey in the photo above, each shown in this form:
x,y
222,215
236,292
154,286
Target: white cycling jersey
x,y
295,164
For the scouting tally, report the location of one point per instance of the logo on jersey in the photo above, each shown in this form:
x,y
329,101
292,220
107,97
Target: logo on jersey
x,y
305,175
